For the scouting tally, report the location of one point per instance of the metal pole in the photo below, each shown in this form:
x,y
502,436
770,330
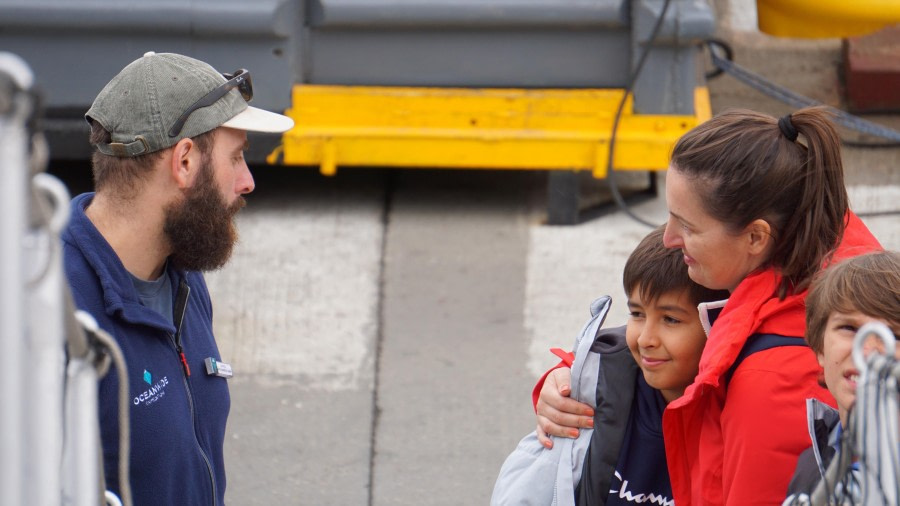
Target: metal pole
x,y
41,463
15,76
46,359
81,458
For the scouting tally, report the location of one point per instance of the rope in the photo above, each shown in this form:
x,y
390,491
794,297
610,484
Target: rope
x,y
796,100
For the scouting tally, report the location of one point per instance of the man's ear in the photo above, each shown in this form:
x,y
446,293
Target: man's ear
x,y
759,235
821,358
184,163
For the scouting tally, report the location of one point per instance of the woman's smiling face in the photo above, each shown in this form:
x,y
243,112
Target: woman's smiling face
x,y
716,257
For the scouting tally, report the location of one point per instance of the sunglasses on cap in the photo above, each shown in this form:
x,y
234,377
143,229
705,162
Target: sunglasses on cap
x,y
240,79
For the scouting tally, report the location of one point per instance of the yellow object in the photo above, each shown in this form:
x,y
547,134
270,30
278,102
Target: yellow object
x,y
826,18
341,126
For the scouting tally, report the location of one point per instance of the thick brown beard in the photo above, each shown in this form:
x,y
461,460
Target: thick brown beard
x,y
201,228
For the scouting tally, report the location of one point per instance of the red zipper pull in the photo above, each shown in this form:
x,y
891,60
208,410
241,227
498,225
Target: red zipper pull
x,y
187,368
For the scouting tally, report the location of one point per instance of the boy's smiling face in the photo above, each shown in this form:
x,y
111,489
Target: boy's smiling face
x,y
837,358
666,339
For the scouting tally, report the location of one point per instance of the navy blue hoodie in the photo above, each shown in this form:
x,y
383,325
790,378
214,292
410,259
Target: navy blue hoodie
x,y
177,419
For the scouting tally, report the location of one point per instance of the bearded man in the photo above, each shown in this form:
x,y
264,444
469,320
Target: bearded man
x,y
169,177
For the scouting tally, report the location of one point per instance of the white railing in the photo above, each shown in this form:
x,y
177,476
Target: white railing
x,y
49,430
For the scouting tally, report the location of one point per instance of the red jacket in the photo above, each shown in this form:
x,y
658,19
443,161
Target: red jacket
x,y
744,451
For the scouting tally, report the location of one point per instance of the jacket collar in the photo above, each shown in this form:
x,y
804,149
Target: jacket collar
x,y
709,312
119,295
752,308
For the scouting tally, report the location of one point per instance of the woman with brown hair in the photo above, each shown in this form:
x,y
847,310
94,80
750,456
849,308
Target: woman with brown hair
x,y
757,205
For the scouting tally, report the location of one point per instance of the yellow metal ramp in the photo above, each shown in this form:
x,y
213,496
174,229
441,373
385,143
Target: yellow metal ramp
x,y
467,128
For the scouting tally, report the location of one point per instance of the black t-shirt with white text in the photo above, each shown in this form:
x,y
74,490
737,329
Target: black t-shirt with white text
x,y
641,475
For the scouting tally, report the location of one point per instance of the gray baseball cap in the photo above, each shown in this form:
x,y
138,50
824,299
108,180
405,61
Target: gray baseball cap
x,y
159,99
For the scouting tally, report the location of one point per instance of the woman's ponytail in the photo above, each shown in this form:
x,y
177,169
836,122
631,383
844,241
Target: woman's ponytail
x,y
817,225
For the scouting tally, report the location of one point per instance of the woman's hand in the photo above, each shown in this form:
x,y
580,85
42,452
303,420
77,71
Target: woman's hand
x,y
557,414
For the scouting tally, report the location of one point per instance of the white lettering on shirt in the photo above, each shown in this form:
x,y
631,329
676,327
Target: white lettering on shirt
x,y
630,496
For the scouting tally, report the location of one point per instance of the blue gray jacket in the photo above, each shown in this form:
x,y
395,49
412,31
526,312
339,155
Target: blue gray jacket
x,y
533,475
177,419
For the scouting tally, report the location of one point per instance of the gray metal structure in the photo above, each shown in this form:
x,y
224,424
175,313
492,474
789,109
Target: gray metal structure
x,y
76,46
14,110
49,430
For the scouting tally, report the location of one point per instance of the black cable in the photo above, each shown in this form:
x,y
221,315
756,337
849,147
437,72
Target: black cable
x,y
729,55
613,187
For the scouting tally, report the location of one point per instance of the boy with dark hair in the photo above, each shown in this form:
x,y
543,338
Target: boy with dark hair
x,y
848,295
622,460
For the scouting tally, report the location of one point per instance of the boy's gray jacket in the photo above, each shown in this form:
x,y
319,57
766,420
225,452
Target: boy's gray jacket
x,y
821,422
603,369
